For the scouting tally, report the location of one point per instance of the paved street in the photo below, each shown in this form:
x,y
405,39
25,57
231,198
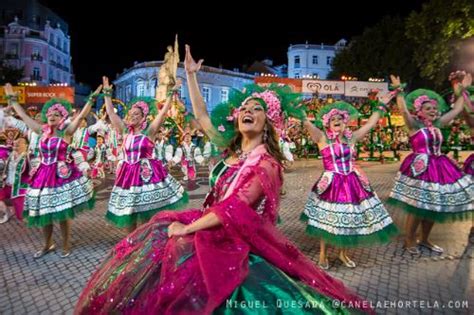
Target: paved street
x,y
438,283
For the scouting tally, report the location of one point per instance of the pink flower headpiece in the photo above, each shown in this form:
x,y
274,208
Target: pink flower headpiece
x,y
273,110
48,130
327,117
59,108
143,106
419,101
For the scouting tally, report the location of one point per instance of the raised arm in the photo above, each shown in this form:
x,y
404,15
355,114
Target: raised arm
x,y
459,103
407,117
85,110
115,119
13,101
316,134
360,133
156,123
199,107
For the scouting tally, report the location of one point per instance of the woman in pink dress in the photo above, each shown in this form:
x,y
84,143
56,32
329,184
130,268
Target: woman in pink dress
x,y
430,187
142,186
342,208
58,189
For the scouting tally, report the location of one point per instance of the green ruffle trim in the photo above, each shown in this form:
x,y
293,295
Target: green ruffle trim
x,y
140,217
379,237
70,213
440,217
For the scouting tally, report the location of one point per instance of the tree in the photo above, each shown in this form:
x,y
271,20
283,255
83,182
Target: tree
x,y
9,74
437,32
381,50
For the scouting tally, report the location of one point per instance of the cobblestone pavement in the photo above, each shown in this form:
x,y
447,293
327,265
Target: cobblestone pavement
x,y
437,284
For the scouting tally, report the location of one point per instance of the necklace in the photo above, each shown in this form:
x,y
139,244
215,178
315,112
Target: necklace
x,y
242,156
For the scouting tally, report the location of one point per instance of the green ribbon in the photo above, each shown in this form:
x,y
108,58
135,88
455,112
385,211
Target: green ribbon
x,y
17,184
216,172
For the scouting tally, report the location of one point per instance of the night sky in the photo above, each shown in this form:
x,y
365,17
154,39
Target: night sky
x,y
107,37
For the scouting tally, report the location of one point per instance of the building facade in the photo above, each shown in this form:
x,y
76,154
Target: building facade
x,y
312,61
35,38
215,83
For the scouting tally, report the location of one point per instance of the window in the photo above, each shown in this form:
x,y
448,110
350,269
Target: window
x,y
60,43
36,51
297,75
65,47
153,84
315,60
224,95
51,38
328,60
36,73
206,94
128,92
297,61
14,49
58,60
140,88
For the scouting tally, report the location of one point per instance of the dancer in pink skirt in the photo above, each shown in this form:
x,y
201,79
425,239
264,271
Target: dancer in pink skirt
x,y
429,186
142,186
58,189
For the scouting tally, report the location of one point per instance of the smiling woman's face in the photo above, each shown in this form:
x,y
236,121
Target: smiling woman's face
x,y
336,123
251,117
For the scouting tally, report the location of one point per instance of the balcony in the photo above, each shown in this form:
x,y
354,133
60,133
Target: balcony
x,y
36,36
36,57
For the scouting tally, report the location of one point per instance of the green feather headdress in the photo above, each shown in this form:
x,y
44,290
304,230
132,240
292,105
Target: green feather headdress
x,y
321,119
413,97
279,101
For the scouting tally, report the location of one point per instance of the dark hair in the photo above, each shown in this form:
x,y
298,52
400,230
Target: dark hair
x,y
271,144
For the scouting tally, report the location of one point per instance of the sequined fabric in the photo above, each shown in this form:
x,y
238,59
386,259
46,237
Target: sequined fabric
x,y
147,273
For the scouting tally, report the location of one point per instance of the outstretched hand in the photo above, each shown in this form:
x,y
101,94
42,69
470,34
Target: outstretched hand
x,y
105,83
395,80
9,90
467,80
190,64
